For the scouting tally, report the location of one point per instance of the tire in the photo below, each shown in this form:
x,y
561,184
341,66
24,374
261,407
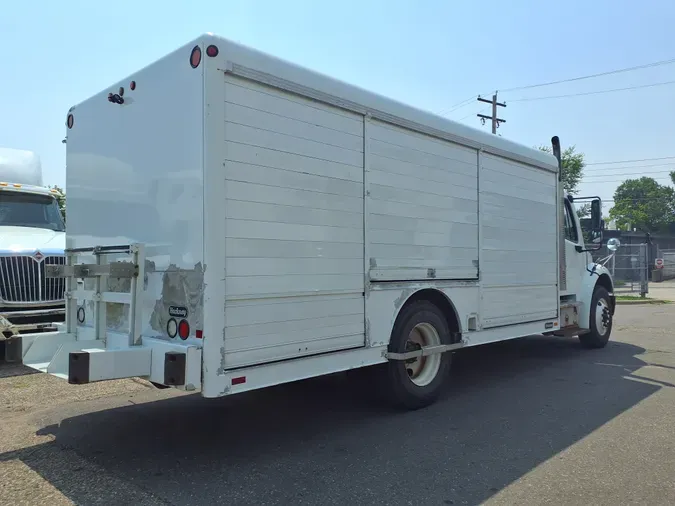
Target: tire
x,y
417,384
601,320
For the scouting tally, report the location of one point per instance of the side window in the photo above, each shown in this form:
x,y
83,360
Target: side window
x,y
570,228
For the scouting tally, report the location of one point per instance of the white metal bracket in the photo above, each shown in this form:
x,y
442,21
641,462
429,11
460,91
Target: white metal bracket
x,y
101,271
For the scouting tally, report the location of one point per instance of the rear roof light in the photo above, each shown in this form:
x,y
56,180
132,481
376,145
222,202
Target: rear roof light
x,y
132,85
195,57
70,121
212,51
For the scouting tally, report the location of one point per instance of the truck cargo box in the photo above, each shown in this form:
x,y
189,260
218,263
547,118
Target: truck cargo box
x,y
277,214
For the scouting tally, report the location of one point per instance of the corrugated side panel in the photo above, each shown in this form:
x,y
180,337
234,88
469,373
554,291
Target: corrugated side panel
x,y
293,225
518,222
422,207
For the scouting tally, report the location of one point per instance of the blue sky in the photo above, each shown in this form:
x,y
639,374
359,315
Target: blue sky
x,y
429,53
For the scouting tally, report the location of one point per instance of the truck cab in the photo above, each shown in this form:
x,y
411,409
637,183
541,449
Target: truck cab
x,y
580,273
32,236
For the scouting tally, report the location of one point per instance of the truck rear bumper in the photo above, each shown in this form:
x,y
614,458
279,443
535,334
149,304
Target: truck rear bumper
x,y
30,320
62,355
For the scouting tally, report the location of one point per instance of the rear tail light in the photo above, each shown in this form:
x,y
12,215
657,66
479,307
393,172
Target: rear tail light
x,y
184,329
212,51
70,121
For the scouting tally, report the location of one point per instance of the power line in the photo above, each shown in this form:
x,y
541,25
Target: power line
x,y
457,106
592,92
639,199
612,180
643,173
590,76
467,101
632,161
471,114
630,167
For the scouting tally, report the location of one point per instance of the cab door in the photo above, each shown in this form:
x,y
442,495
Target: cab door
x,y
576,261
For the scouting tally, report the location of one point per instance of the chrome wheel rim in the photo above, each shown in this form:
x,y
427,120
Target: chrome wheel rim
x,y
603,317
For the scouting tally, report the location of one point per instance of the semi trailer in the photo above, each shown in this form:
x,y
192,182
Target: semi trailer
x,y
237,221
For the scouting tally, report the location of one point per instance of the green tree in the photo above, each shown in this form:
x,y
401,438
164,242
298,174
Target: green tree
x,y
572,171
61,198
644,204
572,168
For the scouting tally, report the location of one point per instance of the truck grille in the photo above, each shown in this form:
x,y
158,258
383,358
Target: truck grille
x,y
22,279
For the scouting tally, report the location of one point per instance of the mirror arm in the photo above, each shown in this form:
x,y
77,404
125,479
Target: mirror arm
x,y
584,250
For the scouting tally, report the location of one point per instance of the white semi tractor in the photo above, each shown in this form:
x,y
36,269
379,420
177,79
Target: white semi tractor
x,y
276,224
32,236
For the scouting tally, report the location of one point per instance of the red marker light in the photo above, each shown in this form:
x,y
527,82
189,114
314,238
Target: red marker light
x,y
70,121
212,51
239,380
198,334
195,57
183,329
132,85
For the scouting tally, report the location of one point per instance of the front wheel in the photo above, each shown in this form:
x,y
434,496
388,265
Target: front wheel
x,y
601,320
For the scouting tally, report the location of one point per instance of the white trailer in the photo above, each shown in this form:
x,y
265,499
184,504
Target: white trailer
x,y
242,222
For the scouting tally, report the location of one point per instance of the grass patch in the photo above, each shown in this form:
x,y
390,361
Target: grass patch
x,y
643,300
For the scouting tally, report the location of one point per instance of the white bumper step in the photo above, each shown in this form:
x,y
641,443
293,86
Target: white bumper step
x,y
80,362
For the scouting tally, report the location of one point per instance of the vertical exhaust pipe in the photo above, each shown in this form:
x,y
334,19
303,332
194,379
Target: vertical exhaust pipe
x,y
562,260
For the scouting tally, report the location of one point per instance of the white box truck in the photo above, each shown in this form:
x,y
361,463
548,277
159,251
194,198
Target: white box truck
x,y
241,222
32,236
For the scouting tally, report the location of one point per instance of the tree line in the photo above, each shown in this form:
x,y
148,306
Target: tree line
x,y
641,204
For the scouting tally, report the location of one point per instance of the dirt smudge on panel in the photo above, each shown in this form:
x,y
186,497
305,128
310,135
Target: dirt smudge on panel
x,y
400,300
117,315
184,288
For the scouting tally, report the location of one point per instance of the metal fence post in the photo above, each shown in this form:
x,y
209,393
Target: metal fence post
x,y
644,270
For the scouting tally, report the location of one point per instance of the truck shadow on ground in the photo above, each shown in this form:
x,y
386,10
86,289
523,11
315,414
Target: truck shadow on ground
x,y
508,408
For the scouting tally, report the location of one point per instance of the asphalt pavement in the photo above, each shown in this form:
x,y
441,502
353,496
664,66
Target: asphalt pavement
x,y
532,421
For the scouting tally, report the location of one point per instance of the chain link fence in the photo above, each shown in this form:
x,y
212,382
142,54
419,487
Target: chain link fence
x,y
629,267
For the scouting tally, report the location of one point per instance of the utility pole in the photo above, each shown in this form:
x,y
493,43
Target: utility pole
x,y
495,120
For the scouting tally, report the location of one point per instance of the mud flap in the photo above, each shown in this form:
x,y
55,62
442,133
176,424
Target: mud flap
x,y
13,349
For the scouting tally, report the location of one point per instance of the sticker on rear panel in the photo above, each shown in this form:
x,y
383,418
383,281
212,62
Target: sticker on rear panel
x,y
178,311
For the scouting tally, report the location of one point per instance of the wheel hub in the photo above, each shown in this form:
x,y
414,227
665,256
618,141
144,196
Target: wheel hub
x,y
603,317
422,370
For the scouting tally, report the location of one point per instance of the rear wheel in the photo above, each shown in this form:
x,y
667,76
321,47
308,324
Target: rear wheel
x,y
601,320
416,383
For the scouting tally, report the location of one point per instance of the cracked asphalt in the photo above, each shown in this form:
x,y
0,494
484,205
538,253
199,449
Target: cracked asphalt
x,y
532,421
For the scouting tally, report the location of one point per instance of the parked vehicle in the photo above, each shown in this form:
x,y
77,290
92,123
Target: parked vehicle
x,y
242,222
32,236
